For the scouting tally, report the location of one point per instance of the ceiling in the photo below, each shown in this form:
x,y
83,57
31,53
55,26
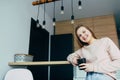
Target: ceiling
x,y
90,8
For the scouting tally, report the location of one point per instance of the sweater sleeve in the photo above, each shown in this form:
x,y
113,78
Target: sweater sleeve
x,y
114,54
73,55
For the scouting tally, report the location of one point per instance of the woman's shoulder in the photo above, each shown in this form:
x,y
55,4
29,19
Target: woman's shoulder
x,y
105,39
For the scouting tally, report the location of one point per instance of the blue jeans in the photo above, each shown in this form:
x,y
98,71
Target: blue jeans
x,y
97,76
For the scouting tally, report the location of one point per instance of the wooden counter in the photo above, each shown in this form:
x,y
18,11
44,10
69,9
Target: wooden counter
x,y
38,63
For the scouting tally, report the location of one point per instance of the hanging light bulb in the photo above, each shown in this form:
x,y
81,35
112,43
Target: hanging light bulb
x,y
37,23
62,7
54,19
44,23
79,4
72,19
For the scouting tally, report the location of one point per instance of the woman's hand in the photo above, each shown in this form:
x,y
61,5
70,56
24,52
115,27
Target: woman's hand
x,y
74,61
87,67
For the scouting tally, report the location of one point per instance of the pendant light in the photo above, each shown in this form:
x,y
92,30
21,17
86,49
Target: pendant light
x,y
44,22
54,19
72,17
62,7
37,21
79,4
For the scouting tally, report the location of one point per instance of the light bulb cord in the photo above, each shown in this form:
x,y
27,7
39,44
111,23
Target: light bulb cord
x,y
38,11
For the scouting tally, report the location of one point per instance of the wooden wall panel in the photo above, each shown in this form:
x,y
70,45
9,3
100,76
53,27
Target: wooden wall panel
x,y
63,27
102,26
105,26
104,20
85,21
105,30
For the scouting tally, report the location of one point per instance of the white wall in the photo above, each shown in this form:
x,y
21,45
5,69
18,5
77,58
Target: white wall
x,y
15,18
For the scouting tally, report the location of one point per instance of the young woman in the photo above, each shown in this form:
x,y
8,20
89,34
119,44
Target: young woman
x,y
102,55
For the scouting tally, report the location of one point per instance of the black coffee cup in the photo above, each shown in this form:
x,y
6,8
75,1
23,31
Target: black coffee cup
x,y
80,61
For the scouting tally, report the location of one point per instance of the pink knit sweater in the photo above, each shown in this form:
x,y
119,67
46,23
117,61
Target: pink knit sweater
x,y
103,55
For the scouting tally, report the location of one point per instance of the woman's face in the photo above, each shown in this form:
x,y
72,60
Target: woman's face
x,y
84,35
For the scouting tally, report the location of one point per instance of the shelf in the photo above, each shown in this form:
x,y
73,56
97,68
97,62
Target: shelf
x,y
37,2
38,63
